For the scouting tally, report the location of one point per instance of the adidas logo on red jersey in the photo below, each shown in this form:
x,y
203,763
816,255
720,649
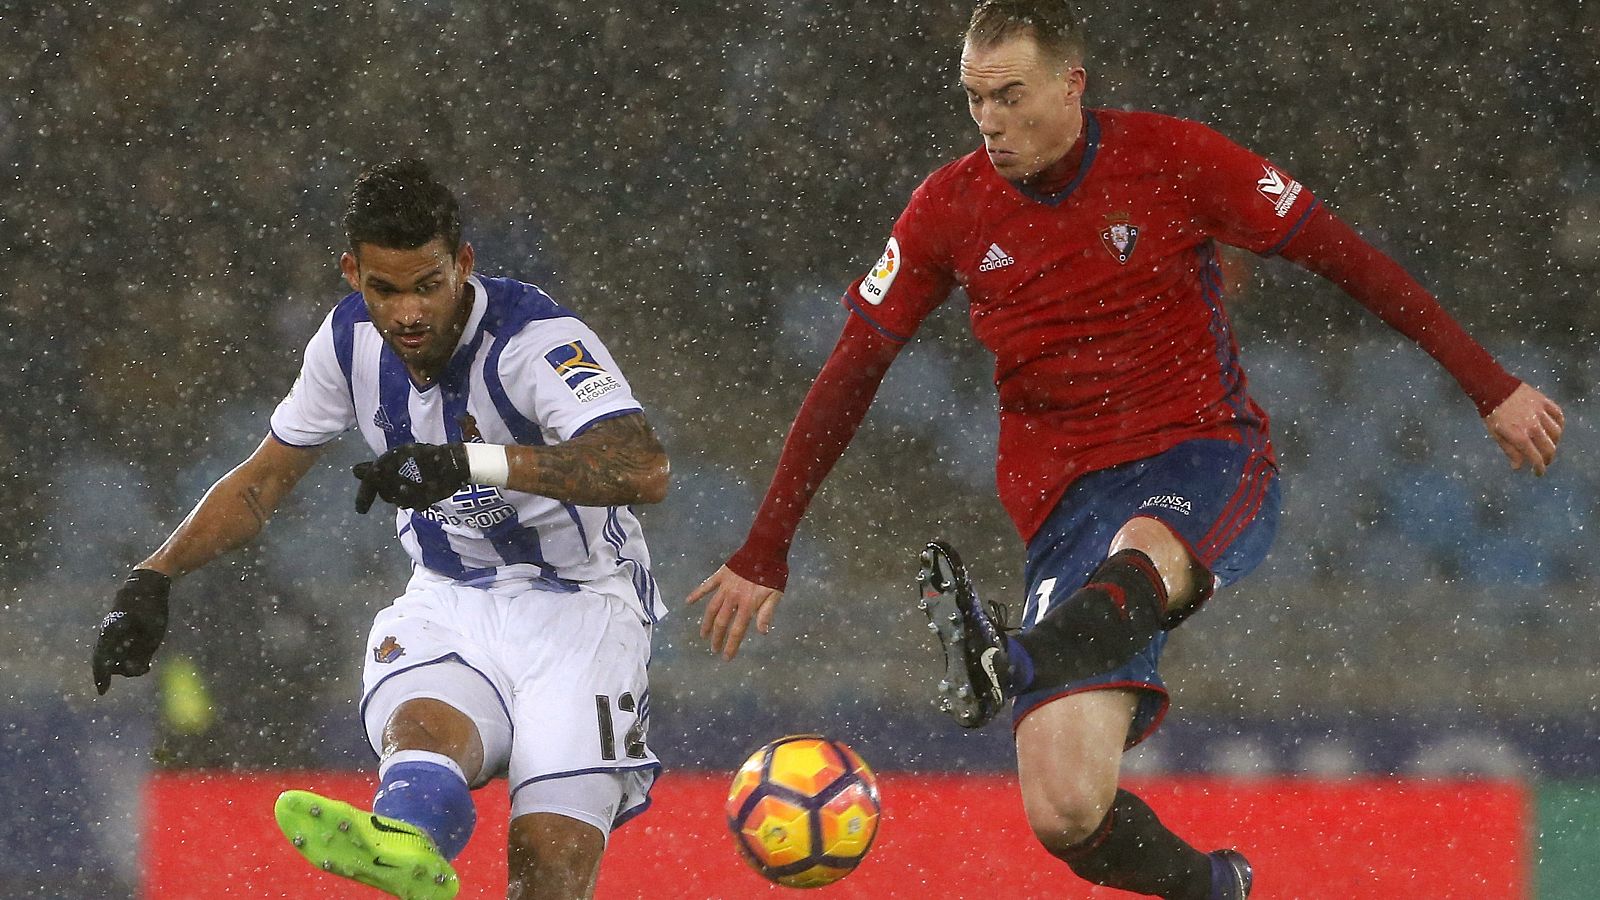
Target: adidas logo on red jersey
x,y
995,259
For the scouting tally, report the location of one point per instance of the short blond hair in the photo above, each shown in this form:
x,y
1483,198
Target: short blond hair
x,y
1049,22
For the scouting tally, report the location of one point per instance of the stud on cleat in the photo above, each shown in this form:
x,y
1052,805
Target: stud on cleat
x,y
970,633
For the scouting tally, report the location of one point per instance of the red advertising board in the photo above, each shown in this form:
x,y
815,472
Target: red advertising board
x,y
942,836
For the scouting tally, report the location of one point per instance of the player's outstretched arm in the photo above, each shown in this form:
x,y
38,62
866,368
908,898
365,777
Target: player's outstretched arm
x,y
731,602
1527,425
235,509
752,582
232,512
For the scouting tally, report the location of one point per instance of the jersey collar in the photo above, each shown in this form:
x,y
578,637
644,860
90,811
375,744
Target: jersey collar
x,y
480,303
1091,146
467,344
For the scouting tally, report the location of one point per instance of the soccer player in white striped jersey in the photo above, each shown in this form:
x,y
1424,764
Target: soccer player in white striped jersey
x,y
512,447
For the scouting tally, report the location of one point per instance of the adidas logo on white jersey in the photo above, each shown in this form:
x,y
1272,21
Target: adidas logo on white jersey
x,y
995,259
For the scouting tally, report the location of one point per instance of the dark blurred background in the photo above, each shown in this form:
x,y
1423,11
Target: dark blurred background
x,y
701,181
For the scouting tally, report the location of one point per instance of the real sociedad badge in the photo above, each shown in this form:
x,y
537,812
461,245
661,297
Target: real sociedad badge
x,y
388,651
1119,237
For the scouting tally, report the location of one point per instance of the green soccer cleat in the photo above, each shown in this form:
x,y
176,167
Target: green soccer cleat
x,y
375,850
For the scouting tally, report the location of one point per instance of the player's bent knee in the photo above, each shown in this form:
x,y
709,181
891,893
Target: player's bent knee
x,y
428,724
1062,819
433,725
1182,574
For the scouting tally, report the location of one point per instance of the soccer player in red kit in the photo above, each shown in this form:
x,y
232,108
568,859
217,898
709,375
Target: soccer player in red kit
x,y
1132,460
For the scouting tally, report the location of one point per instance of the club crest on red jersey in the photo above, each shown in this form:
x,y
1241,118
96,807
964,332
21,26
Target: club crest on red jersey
x,y
388,651
1120,236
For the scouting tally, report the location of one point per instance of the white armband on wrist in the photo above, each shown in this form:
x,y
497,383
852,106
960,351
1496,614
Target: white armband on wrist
x,y
487,464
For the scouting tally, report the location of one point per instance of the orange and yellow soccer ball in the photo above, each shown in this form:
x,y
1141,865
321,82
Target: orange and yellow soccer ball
x,y
804,810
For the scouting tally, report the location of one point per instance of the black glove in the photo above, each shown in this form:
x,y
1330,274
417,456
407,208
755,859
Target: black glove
x,y
131,632
413,475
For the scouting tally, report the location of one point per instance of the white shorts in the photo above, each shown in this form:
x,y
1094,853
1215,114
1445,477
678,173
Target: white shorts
x,y
555,680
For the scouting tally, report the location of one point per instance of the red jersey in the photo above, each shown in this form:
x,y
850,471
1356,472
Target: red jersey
x,y
1102,303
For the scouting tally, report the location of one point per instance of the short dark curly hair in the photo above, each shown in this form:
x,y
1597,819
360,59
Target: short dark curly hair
x,y
398,203
1050,23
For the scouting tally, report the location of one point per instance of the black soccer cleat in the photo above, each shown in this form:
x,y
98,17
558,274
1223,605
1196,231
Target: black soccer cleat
x,y
1231,875
975,659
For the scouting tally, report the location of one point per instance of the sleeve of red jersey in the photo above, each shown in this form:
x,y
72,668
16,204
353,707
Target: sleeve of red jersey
x,y
1332,249
1240,198
886,305
822,429
913,276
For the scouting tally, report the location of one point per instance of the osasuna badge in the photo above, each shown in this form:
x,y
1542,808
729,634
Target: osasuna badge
x,y
1120,236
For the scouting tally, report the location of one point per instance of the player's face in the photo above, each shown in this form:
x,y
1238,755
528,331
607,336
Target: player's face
x,y
1028,107
417,299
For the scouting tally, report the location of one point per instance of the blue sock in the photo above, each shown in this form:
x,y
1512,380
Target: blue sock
x,y
1020,676
428,790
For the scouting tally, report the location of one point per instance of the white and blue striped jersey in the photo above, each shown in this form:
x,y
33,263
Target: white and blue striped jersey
x,y
526,371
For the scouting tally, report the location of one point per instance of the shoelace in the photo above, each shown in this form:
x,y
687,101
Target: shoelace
x,y
1000,615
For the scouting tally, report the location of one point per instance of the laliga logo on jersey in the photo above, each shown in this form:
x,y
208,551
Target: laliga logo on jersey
x,y
584,376
876,285
1280,193
1119,237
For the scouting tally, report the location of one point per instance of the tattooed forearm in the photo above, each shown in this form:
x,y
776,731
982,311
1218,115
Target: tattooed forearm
x,y
615,463
235,509
251,496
